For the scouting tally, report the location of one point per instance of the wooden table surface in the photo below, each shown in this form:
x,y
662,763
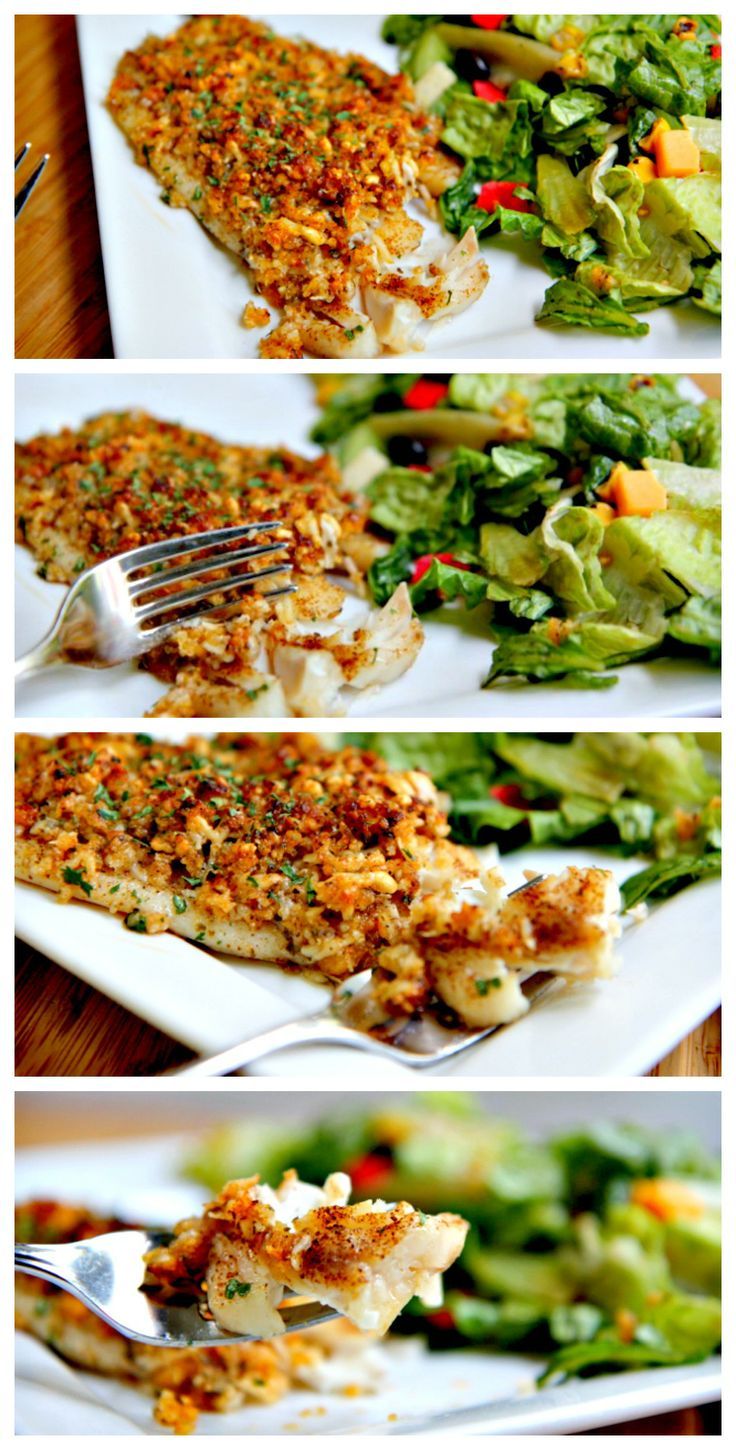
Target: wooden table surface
x,y
61,307
66,1029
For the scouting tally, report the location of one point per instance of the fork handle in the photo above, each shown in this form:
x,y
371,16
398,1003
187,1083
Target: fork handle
x,y
45,653
321,1028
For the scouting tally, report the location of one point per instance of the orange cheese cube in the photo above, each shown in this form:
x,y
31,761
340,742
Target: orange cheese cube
x,y
648,142
667,1199
606,490
604,512
637,491
644,168
676,154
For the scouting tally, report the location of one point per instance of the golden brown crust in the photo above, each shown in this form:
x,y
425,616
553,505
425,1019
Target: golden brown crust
x,y
287,152
323,847
126,479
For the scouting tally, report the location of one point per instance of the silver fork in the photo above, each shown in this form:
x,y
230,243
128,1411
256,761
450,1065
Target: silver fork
x,y
102,620
413,1042
107,1273
30,185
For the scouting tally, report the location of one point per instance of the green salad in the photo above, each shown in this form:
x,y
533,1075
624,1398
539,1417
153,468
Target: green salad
x,y
594,138
599,1249
654,795
580,513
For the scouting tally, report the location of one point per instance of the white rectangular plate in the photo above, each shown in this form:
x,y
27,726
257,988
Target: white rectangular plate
x,y
467,1391
172,292
445,680
668,982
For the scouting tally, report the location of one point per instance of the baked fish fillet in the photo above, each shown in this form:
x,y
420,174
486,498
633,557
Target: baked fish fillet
x,y
301,161
125,479
287,851
366,1260
184,1382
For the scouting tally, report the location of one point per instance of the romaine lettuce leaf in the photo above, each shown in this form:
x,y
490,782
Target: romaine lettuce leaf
x,y
497,133
451,583
403,499
706,288
664,273
706,133
674,544
478,391
688,207
664,878
548,652
516,559
572,538
616,195
563,197
698,625
569,121
569,304
696,489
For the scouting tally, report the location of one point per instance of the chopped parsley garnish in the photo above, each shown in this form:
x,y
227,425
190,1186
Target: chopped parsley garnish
x,y
483,985
292,874
76,878
236,1288
179,905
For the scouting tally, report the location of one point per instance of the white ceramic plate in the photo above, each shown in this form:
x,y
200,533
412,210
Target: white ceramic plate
x,y
209,1000
445,680
466,1391
173,292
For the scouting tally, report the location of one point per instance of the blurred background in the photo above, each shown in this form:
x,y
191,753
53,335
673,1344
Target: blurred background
x,y
63,1117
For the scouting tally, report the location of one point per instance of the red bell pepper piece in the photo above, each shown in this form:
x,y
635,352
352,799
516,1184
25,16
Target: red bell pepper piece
x,y
510,795
488,22
425,393
370,1171
486,91
502,193
424,563
420,468
442,1319
716,52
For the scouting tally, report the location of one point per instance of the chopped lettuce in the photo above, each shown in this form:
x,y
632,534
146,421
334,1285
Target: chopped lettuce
x,y
570,304
509,508
554,649
401,497
706,292
448,582
498,134
666,877
567,129
653,794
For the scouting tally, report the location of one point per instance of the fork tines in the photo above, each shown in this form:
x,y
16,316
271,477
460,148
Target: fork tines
x,y
206,554
30,185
